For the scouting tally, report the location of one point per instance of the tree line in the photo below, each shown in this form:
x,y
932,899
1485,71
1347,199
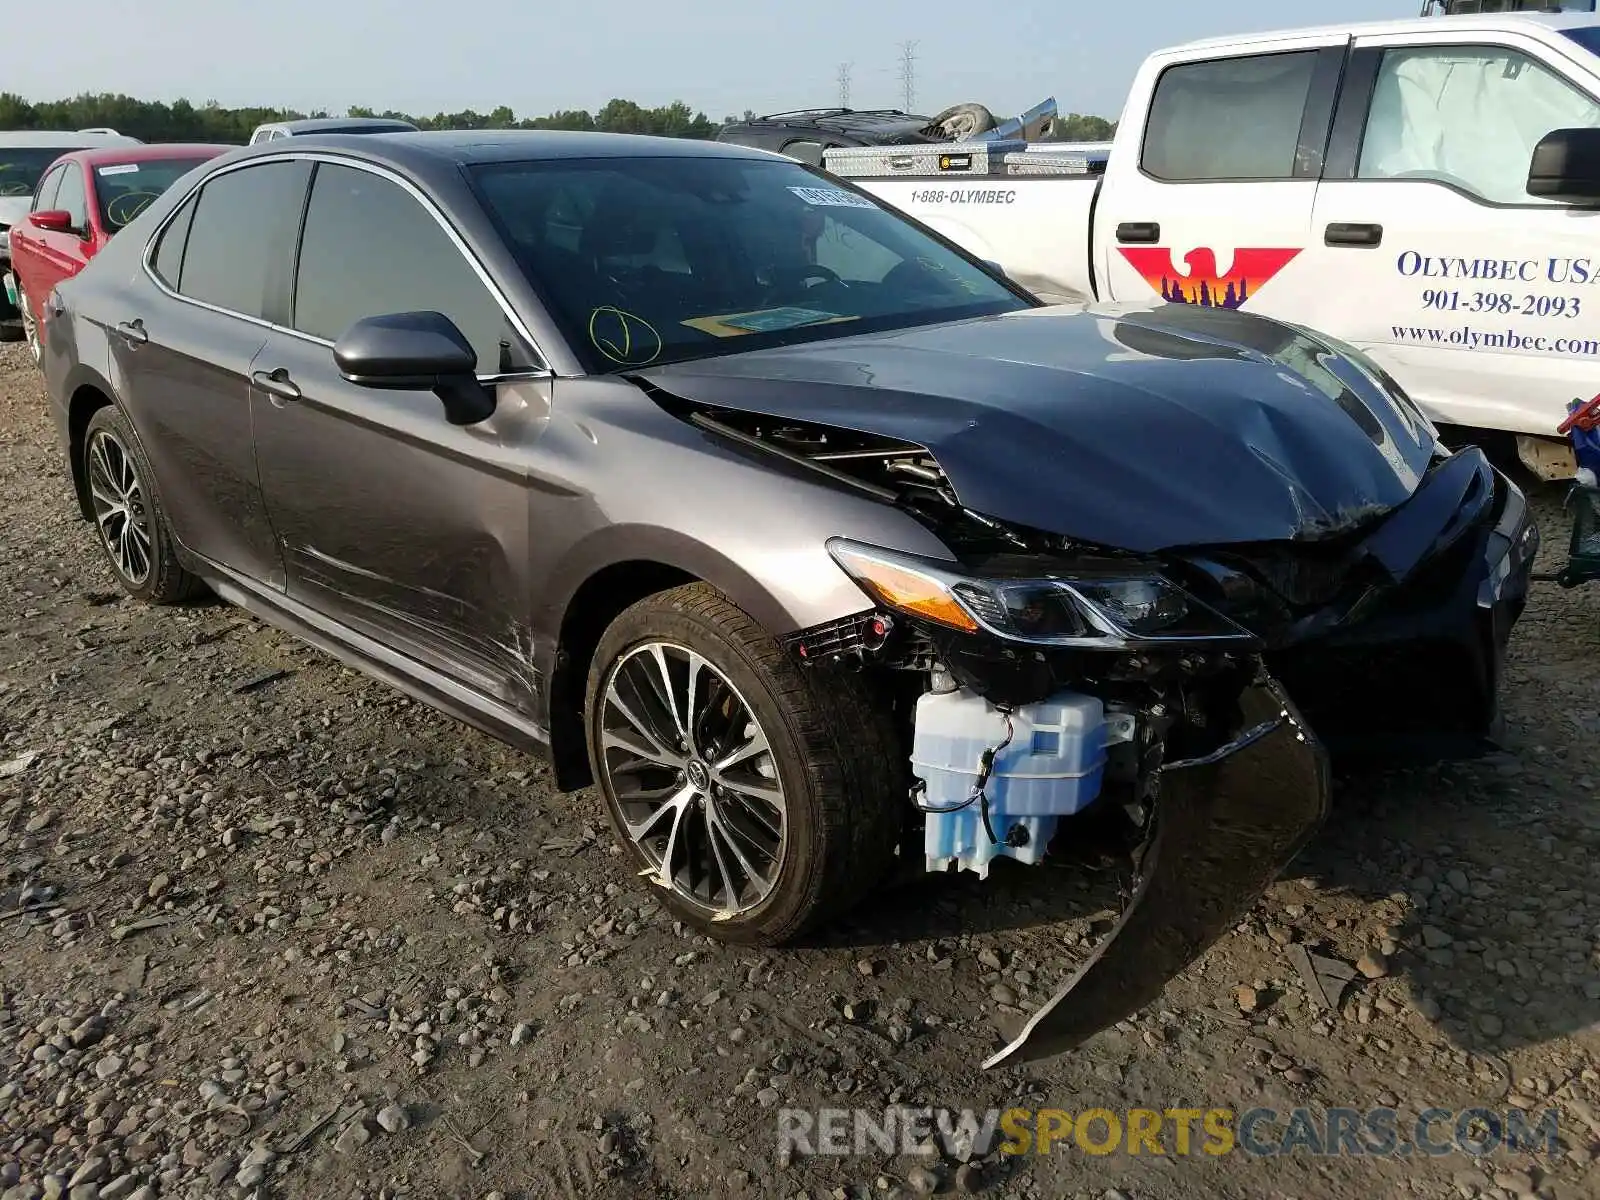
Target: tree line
x,y
181,121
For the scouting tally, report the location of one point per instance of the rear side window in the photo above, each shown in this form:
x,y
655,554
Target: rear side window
x,y
168,260
1229,118
73,198
370,248
241,237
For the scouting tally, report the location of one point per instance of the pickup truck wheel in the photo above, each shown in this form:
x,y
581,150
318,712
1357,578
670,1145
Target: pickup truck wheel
x,y
760,798
129,519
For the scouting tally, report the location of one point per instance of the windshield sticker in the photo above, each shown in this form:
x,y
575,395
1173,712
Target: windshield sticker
x,y
118,169
623,337
823,197
767,320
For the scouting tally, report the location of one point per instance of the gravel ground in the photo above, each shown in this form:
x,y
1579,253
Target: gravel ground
x,y
270,929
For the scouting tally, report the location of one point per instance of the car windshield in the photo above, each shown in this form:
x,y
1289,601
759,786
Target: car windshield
x,y
20,167
647,260
124,190
1588,37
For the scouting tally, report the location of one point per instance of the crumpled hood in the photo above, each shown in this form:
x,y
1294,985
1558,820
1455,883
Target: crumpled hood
x,y
1141,429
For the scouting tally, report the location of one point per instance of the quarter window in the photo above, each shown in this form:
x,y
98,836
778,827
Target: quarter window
x,y
370,248
241,237
168,261
1467,116
1228,118
73,199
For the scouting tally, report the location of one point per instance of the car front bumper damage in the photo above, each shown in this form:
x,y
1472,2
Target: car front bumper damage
x,y
1400,627
1225,824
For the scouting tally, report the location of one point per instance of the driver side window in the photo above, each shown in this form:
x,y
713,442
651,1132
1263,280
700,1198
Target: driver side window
x,y
74,199
1469,116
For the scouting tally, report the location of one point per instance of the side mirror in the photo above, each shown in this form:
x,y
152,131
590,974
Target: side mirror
x,y
995,267
1566,167
57,220
416,351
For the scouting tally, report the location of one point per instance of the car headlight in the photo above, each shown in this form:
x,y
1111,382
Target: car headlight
x,y
1099,607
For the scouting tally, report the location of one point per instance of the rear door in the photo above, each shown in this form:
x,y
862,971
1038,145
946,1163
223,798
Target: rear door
x,y
183,353
1215,202
1482,301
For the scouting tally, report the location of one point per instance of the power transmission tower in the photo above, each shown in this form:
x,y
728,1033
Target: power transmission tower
x,y
908,74
844,85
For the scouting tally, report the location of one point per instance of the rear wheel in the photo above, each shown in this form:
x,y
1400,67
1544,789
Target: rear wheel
x,y
128,517
761,799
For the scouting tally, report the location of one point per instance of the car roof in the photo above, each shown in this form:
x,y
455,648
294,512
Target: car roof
x,y
312,124
98,156
64,139
1518,22
475,146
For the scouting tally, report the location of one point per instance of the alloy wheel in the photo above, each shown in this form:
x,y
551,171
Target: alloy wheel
x,y
693,779
30,328
121,511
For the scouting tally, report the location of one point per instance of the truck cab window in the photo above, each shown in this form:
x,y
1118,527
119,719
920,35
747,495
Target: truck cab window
x,y
1228,118
1468,117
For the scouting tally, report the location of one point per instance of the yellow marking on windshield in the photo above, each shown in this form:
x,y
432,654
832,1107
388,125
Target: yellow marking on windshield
x,y
624,337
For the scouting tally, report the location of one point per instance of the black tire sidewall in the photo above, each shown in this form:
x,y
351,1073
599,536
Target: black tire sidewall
x,y
794,895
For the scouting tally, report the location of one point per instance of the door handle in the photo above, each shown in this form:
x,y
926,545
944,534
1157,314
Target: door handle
x,y
276,384
1139,231
131,332
1344,233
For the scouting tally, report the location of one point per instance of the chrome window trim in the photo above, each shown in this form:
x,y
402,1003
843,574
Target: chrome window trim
x,y
543,371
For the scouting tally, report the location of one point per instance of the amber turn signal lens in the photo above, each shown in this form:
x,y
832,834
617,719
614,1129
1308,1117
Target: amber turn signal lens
x,y
907,591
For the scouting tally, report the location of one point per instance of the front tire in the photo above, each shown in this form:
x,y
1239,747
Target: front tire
x,y
761,798
30,327
130,522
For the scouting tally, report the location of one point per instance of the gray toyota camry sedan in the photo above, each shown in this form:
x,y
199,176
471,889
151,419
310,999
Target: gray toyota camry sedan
x,y
821,550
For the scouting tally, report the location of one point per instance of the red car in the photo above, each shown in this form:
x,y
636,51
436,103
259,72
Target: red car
x,y
81,201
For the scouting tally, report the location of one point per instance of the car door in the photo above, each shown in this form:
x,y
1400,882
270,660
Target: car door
x,y
1216,203
27,241
392,521
61,252
184,350
1482,301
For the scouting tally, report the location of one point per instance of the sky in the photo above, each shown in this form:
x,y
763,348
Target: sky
x,y
541,55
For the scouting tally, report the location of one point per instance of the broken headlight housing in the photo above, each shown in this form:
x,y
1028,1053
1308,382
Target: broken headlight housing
x,y
1102,605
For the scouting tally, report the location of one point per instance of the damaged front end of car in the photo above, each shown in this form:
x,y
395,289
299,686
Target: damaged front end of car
x,y
1042,678
1051,686
1038,679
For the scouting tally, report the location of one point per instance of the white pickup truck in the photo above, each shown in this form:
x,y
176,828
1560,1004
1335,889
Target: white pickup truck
x,y
1425,189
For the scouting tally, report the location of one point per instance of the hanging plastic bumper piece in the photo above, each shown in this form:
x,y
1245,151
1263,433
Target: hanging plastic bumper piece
x,y
1224,826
